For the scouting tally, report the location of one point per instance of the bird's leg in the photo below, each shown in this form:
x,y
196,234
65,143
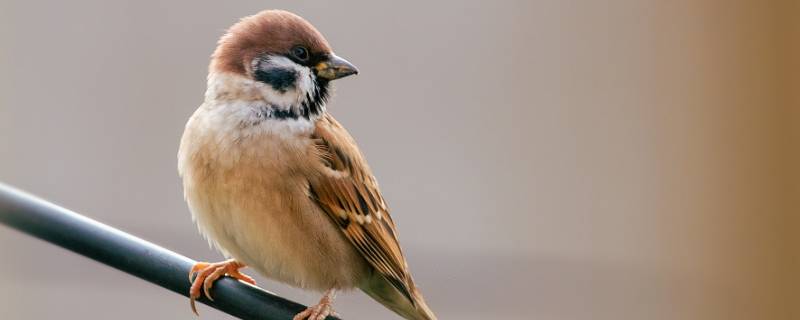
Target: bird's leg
x,y
321,310
203,275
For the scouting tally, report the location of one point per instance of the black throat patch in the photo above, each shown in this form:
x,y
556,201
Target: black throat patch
x,y
313,106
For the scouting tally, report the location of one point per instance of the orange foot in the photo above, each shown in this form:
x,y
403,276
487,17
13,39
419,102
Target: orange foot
x,y
207,273
320,311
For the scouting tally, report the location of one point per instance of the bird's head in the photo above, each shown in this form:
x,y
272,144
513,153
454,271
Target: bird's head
x,y
284,56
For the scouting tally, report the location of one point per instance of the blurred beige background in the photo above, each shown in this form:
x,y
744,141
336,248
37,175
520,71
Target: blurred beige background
x,y
543,159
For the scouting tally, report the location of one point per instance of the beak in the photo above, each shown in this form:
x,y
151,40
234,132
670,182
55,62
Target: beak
x,y
334,68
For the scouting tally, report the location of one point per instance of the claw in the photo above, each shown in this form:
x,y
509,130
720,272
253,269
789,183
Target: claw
x,y
191,303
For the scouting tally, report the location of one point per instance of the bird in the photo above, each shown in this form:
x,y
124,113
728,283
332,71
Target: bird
x,y
278,185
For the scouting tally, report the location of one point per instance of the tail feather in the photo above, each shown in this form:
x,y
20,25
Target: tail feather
x,y
380,289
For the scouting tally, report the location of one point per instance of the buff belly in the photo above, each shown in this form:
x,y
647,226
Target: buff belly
x,y
249,199
313,256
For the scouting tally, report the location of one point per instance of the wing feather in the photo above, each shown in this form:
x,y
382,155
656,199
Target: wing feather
x,y
346,190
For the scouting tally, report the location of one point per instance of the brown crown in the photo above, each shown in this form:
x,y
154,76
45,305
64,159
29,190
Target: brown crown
x,y
269,31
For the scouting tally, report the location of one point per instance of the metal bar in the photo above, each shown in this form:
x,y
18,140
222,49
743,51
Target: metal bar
x,y
134,256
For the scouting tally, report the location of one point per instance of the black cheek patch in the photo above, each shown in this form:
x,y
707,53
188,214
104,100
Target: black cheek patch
x,y
278,78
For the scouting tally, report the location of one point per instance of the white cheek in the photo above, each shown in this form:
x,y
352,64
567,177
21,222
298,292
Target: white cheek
x,y
234,107
292,97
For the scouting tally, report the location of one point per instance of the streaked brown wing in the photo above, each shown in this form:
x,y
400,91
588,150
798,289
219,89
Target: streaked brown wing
x,y
349,194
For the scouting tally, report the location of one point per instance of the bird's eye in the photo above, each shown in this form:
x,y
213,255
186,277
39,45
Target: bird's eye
x,y
301,53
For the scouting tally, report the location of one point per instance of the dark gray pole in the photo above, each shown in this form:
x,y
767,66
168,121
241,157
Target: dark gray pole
x,y
135,256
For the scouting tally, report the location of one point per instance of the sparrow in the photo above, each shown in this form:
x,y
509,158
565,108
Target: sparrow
x,y
276,184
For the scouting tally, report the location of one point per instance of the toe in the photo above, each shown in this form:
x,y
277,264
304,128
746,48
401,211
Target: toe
x,y
197,283
320,312
302,315
208,283
242,277
324,313
194,290
203,274
195,269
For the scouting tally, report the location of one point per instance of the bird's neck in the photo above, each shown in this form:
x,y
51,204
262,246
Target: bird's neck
x,y
305,100
236,107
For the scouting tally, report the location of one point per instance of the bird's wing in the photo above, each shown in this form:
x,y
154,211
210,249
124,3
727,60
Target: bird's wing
x,y
346,190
